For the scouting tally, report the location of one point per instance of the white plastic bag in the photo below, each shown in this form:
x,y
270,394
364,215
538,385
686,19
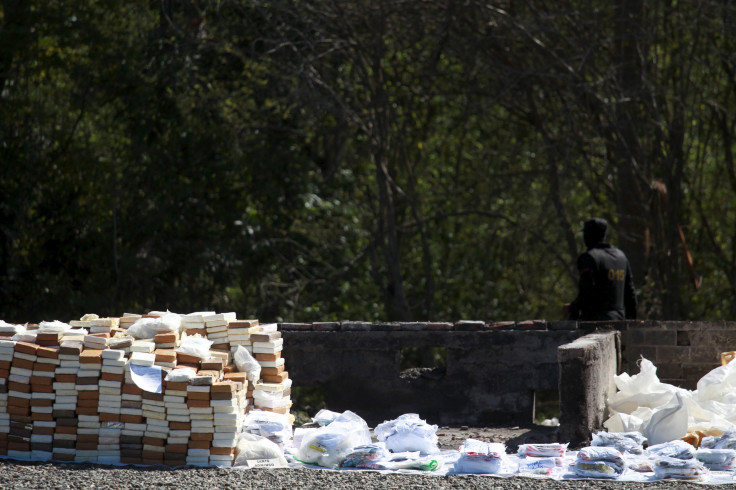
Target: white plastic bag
x,y
408,433
181,375
328,446
252,447
275,427
480,457
667,423
247,364
194,345
324,417
147,328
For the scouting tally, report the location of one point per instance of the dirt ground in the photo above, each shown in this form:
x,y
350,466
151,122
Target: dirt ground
x,y
453,437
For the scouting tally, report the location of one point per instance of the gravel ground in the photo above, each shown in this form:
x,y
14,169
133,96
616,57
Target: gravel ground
x,y
48,475
27,475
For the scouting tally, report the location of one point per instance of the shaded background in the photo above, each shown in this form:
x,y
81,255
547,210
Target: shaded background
x,y
385,160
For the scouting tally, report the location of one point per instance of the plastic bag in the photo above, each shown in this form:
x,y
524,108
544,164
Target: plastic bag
x,y
328,446
680,469
147,328
668,422
717,459
368,456
727,440
247,364
625,442
252,447
597,469
540,466
324,417
194,345
181,375
53,327
408,433
480,457
601,454
553,450
275,427
673,449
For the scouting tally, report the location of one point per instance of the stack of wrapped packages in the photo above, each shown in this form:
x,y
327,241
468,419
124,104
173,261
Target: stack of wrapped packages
x,y
158,388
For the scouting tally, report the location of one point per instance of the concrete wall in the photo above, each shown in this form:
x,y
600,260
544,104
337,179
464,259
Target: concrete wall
x,y
492,369
682,351
587,369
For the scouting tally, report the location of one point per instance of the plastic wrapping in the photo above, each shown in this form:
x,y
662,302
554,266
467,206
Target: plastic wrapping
x,y
368,456
324,417
181,375
275,427
408,433
540,466
247,364
727,440
680,469
676,449
480,457
194,345
147,328
717,459
328,446
597,469
624,442
551,450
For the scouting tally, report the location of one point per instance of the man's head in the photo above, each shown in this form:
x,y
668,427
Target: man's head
x,y
594,231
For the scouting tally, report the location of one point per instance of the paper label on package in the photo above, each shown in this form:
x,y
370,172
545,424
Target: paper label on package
x,y
263,463
147,378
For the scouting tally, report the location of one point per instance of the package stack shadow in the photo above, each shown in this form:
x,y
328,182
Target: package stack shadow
x,y
69,395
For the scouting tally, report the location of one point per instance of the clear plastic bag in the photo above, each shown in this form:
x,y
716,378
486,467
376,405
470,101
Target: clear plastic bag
x,y
551,450
680,469
625,442
194,345
275,427
717,459
408,433
328,446
247,364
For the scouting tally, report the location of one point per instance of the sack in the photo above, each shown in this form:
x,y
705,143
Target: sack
x,y
328,446
408,433
253,447
667,423
247,364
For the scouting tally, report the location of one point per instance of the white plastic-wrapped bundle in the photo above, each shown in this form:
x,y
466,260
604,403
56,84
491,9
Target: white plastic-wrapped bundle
x,y
329,445
551,450
480,457
717,459
624,442
674,449
680,469
408,433
599,462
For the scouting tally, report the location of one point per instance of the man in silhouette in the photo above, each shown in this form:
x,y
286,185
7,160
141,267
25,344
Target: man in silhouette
x,y
606,288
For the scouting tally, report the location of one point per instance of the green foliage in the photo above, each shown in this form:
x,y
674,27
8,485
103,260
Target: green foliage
x,y
382,160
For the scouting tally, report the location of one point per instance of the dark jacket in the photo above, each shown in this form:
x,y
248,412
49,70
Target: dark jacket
x,y
606,288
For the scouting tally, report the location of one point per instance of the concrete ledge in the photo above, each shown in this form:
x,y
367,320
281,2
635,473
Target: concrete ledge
x,y
587,369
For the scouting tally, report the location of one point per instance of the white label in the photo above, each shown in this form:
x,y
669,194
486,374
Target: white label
x,y
263,463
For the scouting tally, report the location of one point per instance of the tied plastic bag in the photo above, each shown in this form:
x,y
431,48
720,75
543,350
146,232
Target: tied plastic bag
x,y
717,459
680,469
275,427
408,433
551,450
194,345
252,447
328,446
480,457
147,328
247,364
